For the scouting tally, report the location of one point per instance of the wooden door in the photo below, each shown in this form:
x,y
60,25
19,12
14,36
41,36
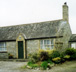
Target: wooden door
x,y
20,50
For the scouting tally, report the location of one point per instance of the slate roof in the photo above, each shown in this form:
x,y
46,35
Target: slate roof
x,y
34,30
73,38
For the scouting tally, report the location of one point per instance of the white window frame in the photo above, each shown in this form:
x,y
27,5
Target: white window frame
x,y
3,46
45,46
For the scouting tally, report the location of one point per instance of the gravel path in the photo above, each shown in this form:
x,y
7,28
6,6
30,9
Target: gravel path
x,y
16,67
11,66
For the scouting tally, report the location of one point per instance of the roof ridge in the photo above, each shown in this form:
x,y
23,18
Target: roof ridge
x,y
31,23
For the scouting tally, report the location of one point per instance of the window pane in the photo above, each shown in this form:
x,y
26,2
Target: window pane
x,y
5,45
2,46
52,41
41,47
41,42
48,47
0,49
3,49
73,45
48,42
45,42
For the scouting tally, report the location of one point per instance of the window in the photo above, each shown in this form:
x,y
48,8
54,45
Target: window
x,y
46,44
2,46
73,45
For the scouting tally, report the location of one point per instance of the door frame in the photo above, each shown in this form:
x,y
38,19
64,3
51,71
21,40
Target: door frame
x,y
20,38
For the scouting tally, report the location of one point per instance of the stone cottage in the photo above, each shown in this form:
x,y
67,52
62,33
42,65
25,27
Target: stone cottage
x,y
20,40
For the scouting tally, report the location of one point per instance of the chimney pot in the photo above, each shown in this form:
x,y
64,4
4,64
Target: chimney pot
x,y
65,3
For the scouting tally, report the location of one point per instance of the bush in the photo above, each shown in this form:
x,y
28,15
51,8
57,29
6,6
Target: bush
x,y
49,61
71,52
34,58
48,51
32,65
44,56
62,55
44,65
29,55
55,54
67,56
40,50
56,60
73,56
29,63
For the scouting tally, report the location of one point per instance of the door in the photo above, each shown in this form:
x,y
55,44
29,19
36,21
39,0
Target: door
x,y
20,50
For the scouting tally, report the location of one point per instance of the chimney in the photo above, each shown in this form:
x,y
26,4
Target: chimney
x,y
65,12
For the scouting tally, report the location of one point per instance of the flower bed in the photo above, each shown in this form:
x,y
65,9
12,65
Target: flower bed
x,y
47,59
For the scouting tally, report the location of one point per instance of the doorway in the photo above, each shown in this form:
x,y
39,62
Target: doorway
x,y
20,50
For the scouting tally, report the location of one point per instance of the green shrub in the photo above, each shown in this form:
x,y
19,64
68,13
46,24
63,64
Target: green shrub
x,y
32,65
62,55
62,60
71,52
55,54
29,55
44,65
44,56
49,61
73,56
34,58
56,60
67,56
29,63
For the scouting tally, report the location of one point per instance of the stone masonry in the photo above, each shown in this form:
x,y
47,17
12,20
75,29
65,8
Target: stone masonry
x,y
11,48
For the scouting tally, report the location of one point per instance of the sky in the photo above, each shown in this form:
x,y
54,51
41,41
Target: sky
x,y
15,12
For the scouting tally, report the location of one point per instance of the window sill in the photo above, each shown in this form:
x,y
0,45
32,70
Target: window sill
x,y
3,51
46,50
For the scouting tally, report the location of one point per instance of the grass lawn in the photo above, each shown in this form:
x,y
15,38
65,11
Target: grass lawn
x,y
69,66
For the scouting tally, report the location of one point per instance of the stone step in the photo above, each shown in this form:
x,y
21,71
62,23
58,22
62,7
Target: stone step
x,y
16,60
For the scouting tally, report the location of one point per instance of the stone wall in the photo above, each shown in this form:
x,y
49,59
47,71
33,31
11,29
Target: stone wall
x,y
66,36
11,48
66,31
3,55
32,46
